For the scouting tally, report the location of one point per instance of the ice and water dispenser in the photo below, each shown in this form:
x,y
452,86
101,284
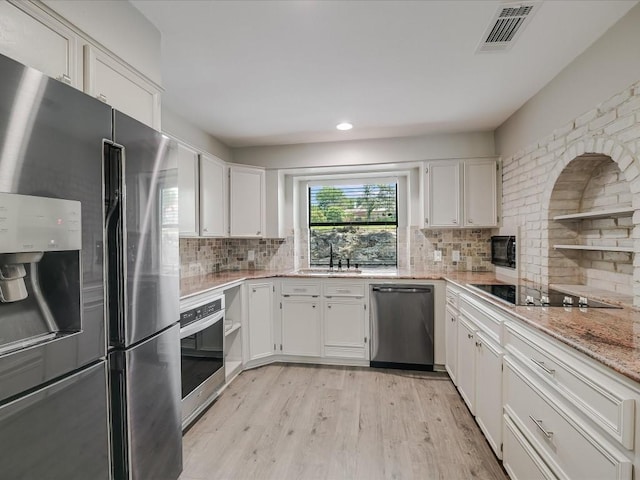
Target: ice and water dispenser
x,y
40,269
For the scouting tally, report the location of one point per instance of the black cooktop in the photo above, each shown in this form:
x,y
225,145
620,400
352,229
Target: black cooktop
x,y
522,295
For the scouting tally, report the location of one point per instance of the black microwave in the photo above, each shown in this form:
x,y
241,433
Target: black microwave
x,y
503,251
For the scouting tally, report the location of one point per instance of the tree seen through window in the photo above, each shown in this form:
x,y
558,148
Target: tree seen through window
x,y
360,221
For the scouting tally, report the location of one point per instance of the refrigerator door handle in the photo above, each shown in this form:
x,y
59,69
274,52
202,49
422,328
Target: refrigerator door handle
x,y
116,275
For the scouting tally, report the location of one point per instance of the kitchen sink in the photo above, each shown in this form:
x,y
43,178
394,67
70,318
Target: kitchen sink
x,y
325,272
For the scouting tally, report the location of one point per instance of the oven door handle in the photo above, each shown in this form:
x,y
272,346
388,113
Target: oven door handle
x,y
195,327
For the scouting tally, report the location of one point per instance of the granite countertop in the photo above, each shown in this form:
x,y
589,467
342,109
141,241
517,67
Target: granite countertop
x,y
610,336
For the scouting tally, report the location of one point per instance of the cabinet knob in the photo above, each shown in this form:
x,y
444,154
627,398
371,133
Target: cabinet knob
x,y
470,221
454,221
313,306
258,232
64,78
254,290
478,344
453,319
206,229
328,306
102,98
469,335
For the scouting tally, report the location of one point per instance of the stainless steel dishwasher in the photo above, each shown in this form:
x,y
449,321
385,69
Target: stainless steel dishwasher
x,y
402,326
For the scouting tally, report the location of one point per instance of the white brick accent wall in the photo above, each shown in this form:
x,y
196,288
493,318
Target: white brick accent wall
x,y
589,163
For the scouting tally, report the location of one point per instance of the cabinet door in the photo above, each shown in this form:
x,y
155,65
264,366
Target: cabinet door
x,y
247,209
451,343
489,394
442,194
301,327
188,190
466,363
480,193
213,197
122,88
260,320
345,329
30,36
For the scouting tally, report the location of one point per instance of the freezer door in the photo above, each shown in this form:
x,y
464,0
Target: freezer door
x,y
60,431
146,409
150,221
51,146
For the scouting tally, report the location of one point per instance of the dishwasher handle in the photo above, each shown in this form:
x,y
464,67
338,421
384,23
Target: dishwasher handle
x,y
403,289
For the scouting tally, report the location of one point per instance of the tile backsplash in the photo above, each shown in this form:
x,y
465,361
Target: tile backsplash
x,y
474,246
206,255
415,250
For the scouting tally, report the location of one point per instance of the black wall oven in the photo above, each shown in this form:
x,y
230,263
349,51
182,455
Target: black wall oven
x,y
202,356
503,251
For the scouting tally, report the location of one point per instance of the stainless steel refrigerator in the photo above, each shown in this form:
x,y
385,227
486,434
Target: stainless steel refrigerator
x,y
89,344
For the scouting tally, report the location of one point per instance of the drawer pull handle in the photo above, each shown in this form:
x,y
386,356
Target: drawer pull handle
x,y
538,423
548,370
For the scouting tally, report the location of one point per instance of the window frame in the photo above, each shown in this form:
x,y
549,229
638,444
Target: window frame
x,y
355,181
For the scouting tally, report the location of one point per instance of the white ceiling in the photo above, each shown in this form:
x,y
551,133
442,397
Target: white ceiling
x,y
280,72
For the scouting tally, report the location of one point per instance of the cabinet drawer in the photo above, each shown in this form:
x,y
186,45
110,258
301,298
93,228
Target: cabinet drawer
x,y
569,448
452,297
300,288
583,386
488,320
344,290
520,460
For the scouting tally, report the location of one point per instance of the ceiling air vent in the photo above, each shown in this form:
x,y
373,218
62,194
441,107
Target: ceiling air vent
x,y
506,25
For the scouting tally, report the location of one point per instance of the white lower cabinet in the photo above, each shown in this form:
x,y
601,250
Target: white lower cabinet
x,y
520,459
301,327
451,343
479,379
344,329
345,320
488,401
466,362
568,445
259,318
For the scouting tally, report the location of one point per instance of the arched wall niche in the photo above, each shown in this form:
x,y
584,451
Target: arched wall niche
x,y
591,174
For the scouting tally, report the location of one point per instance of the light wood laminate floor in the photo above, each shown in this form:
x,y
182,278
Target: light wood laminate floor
x,y
317,422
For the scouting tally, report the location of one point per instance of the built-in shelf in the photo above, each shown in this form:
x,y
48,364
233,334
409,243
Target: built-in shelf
x,y
233,328
599,248
608,213
232,367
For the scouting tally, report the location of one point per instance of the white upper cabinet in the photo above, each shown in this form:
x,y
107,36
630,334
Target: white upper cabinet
x,y
112,82
480,193
247,201
461,193
188,191
33,38
213,197
442,199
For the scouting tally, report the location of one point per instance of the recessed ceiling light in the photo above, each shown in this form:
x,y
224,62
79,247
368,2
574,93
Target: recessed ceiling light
x,y
344,126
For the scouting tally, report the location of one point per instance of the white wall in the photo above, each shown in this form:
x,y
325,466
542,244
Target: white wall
x,y
608,66
376,151
180,128
119,27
